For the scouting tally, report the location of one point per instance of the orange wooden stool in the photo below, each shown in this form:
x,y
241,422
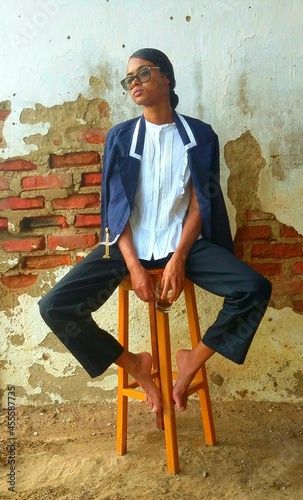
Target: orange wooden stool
x,y
162,372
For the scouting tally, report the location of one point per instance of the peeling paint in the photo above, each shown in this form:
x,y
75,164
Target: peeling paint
x,y
248,78
5,109
66,125
244,159
17,339
298,388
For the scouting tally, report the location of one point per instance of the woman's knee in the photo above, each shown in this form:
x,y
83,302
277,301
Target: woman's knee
x,y
44,307
262,287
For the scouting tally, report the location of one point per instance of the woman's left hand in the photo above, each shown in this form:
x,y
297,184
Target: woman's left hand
x,y
173,278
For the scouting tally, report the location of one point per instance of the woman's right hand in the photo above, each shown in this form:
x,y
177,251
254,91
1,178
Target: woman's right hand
x,y
142,283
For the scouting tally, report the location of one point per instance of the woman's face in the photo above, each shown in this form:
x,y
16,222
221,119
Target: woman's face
x,y
152,92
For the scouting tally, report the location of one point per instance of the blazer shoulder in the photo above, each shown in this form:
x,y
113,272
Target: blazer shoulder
x,y
126,126
200,127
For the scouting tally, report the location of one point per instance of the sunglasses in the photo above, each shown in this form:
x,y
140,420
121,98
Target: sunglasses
x,y
144,75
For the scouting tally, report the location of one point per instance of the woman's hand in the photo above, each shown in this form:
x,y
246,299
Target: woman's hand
x,y
173,278
142,283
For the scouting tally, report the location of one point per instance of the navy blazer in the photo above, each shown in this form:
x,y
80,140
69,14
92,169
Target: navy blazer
x,y
121,166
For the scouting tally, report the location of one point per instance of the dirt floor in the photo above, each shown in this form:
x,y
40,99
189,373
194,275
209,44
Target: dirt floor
x,y
68,452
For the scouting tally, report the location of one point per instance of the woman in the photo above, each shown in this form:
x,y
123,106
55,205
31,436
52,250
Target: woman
x,y
161,206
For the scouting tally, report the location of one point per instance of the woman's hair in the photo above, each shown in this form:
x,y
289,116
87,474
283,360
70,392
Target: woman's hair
x,y
160,59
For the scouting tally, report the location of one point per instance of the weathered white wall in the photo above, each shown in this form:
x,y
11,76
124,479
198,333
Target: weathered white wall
x,y
238,65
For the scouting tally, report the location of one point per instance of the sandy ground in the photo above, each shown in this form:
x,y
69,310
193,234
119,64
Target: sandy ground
x,y
68,452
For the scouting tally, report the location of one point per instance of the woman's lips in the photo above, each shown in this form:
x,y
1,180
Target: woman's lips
x,y
137,92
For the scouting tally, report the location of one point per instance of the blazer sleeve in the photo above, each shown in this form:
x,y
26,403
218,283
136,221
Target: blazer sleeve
x,y
220,227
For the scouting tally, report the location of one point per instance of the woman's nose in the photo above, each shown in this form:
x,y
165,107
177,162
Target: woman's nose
x,y
135,81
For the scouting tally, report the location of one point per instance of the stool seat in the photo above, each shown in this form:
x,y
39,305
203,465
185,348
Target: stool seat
x,y
162,372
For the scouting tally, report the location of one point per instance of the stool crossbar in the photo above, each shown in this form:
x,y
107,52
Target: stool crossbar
x,y
162,372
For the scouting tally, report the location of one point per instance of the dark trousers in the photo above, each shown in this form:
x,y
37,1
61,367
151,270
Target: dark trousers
x,y
68,306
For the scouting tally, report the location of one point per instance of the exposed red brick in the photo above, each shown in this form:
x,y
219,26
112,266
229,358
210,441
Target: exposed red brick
x,y
78,201
71,242
23,245
289,232
44,221
287,288
47,182
298,305
47,261
81,159
104,109
253,233
3,183
267,268
89,220
277,250
3,223
91,179
257,215
79,258
94,136
19,281
298,267
16,203
17,165
4,114
239,251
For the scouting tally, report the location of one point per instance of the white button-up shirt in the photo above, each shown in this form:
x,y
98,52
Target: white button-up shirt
x,y
163,193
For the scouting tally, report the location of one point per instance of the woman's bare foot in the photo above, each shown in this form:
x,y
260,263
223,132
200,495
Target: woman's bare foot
x,y
139,367
188,362
186,375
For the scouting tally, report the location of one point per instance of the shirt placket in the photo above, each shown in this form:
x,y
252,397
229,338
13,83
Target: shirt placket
x,y
156,189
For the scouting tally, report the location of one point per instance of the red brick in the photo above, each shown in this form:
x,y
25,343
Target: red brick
x,y
4,114
257,215
89,220
289,232
298,268
79,258
3,223
287,288
253,233
47,182
239,250
47,261
92,179
71,242
78,201
277,250
45,221
23,245
17,166
3,183
267,268
19,281
298,305
16,203
94,136
80,159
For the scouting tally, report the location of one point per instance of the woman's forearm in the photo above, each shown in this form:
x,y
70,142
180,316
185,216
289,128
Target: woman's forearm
x,y
191,229
127,248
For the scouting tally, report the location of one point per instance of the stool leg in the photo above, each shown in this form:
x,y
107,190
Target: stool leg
x,y
172,454
122,374
201,376
155,356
